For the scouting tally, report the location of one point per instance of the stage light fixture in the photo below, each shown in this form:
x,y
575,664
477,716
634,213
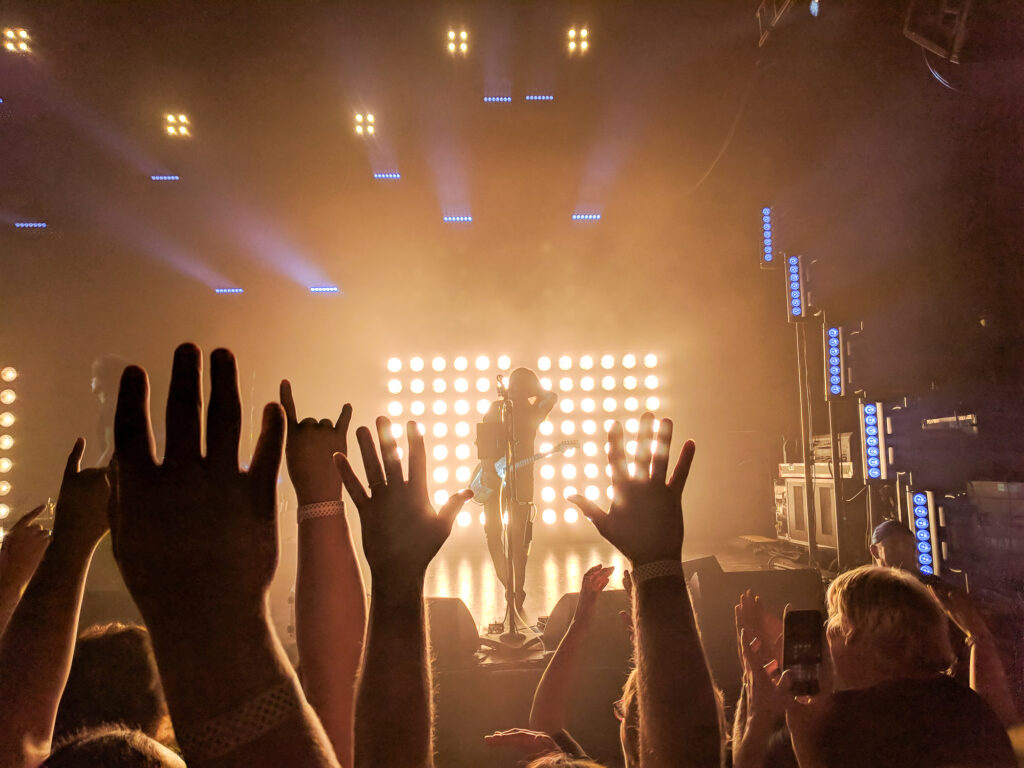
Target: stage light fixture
x,y
458,42
607,362
587,404
586,217
544,364
815,8
547,472
462,429
440,408
417,387
30,225
440,452
463,474
395,386
323,289
631,404
387,175
926,523
5,512
568,427
438,363
565,384
568,491
872,440
567,405
650,361
7,419
5,487
365,125
440,497
578,40
165,177
463,519
768,259
394,408
629,382
462,407
483,384
8,396
440,475
397,430
482,406
483,363
394,364
418,408
229,290
498,99
835,362
795,293
178,125
440,385
545,383
590,448
6,442
547,493
539,97
609,404
652,403
608,383
565,362
9,373
461,385
17,40
571,515
548,516
416,364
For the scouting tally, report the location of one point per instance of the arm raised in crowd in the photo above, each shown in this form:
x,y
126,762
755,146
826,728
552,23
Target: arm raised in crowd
x,y
550,710
23,546
330,602
36,649
679,723
401,535
196,541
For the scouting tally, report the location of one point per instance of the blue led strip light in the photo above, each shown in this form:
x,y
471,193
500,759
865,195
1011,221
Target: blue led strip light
x,y
30,224
872,439
229,290
539,97
835,362
165,178
387,175
586,217
767,239
795,291
922,506
458,219
323,289
493,99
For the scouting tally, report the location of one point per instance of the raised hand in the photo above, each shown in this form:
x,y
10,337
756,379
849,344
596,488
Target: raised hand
x,y
194,532
80,519
309,450
23,546
762,629
594,582
401,530
645,521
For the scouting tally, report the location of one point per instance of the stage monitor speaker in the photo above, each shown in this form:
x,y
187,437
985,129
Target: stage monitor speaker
x,y
716,594
453,633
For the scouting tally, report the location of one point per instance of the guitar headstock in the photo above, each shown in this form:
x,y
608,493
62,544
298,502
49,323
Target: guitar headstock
x,y
567,445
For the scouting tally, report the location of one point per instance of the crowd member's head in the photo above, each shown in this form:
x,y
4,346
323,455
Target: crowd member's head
x,y
894,546
628,712
111,747
883,624
113,679
562,760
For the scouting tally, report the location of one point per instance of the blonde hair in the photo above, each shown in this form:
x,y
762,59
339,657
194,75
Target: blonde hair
x,y
893,619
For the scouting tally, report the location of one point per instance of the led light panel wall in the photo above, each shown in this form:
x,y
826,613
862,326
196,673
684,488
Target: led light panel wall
x,y
872,440
768,258
925,524
448,396
8,377
835,362
796,293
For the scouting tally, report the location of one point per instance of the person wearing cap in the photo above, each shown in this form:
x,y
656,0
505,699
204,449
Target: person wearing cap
x,y
894,546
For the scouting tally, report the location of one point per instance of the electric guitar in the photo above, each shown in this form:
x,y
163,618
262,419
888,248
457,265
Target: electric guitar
x,y
483,491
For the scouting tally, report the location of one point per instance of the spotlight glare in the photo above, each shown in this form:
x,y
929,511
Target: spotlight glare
x,y
416,386
441,498
546,428
547,493
544,363
632,425
629,361
592,492
631,404
650,361
5,487
504,363
609,404
591,471
586,362
461,385
462,407
6,441
548,516
651,382
8,396
587,383
441,475
5,511
587,404
589,427
545,383
463,474
462,452
464,519
462,429
565,384
482,406
629,382
483,384
440,408
440,385
394,386
653,403
568,491
8,374
6,420
5,465
547,472
417,408
440,453
608,383
590,448
438,363
416,364
565,362
568,427
460,363
397,430
394,408
607,362
567,405
569,471
571,515
483,363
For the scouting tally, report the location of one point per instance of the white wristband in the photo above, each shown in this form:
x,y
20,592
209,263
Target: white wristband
x,y
321,509
657,570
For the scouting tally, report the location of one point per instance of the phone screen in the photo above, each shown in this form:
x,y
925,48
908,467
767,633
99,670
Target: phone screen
x,y
801,649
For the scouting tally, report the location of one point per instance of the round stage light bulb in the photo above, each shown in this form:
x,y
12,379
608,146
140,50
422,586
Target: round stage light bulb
x,y
483,363
632,467
631,404
586,362
653,403
460,363
589,427
369,118
587,405
463,474
5,511
650,361
440,453
416,364
7,396
629,382
546,428
547,493
438,363
568,427
416,386
590,448
397,430
463,35
394,386
462,452
394,365
608,383
6,442
545,383
394,408
632,425
440,385
572,45
451,34
587,383
547,472
463,47
607,362
451,47
592,492
440,408
565,384
441,475
6,464
651,382
482,518
440,429
608,424
631,447
571,515
609,404
5,487
8,374
565,362
569,471
545,448
417,408
629,361
609,492
6,419
591,471
483,406
504,363
548,516
461,385
568,491
544,364
567,405
440,498
462,429
462,407
483,384
464,519
583,44
583,32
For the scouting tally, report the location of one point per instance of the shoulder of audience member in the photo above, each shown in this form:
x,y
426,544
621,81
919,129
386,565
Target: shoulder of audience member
x,y
112,746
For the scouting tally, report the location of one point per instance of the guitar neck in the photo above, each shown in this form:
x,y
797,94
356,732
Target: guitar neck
x,y
536,457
